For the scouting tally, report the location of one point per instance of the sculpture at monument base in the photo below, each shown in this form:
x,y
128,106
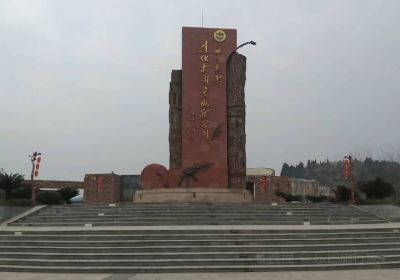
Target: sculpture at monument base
x,y
207,119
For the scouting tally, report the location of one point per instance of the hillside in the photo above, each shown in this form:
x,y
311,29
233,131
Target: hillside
x,y
331,173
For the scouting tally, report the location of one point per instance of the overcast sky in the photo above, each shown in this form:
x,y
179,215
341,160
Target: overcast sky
x,y
86,82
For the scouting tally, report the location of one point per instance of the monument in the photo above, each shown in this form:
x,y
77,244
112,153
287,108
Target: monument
x,y
207,124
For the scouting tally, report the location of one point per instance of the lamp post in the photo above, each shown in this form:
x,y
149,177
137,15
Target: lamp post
x,y
35,160
244,44
353,181
238,47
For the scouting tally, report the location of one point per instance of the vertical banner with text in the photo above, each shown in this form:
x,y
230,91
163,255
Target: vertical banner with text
x,y
205,52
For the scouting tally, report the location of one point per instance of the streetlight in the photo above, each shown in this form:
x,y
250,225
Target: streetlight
x,y
238,47
35,160
247,43
353,182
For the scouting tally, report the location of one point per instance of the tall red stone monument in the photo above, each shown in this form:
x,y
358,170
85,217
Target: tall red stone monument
x,y
200,116
204,101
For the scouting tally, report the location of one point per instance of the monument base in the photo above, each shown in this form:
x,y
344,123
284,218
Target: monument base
x,y
186,195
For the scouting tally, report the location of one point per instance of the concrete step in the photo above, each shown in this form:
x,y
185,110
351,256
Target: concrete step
x,y
202,210
166,236
203,231
203,214
218,248
200,222
312,207
207,219
191,269
189,243
200,213
197,255
197,214
201,262
185,249
191,214
198,205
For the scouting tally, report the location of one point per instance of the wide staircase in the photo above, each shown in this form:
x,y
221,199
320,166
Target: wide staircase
x,y
128,214
127,238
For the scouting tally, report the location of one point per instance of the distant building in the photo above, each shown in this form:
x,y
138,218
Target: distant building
x,y
260,171
263,184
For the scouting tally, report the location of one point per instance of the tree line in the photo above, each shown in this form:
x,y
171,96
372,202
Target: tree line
x,y
367,172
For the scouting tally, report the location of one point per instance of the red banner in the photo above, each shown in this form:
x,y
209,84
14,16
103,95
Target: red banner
x,y
346,169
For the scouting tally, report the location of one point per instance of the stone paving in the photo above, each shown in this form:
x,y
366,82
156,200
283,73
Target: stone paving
x,y
369,274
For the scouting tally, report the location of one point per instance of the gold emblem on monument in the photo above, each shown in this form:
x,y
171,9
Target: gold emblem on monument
x,y
219,35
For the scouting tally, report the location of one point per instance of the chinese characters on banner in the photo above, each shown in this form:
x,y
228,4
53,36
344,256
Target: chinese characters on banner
x,y
216,75
205,79
205,52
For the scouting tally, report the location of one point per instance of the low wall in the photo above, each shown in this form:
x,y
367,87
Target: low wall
x,y
7,212
266,187
53,184
102,188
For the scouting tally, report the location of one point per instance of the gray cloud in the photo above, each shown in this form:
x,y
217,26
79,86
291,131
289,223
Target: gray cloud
x,y
86,82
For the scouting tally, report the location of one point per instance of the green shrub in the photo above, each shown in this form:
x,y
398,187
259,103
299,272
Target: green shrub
x,y
49,198
22,202
24,191
67,193
376,189
288,197
9,182
383,201
18,202
316,199
342,194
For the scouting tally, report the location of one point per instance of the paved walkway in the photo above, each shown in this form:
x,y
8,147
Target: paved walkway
x,y
369,274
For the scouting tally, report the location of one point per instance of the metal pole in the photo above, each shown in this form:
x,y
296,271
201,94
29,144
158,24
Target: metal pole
x,y
33,160
265,189
33,184
353,183
353,180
